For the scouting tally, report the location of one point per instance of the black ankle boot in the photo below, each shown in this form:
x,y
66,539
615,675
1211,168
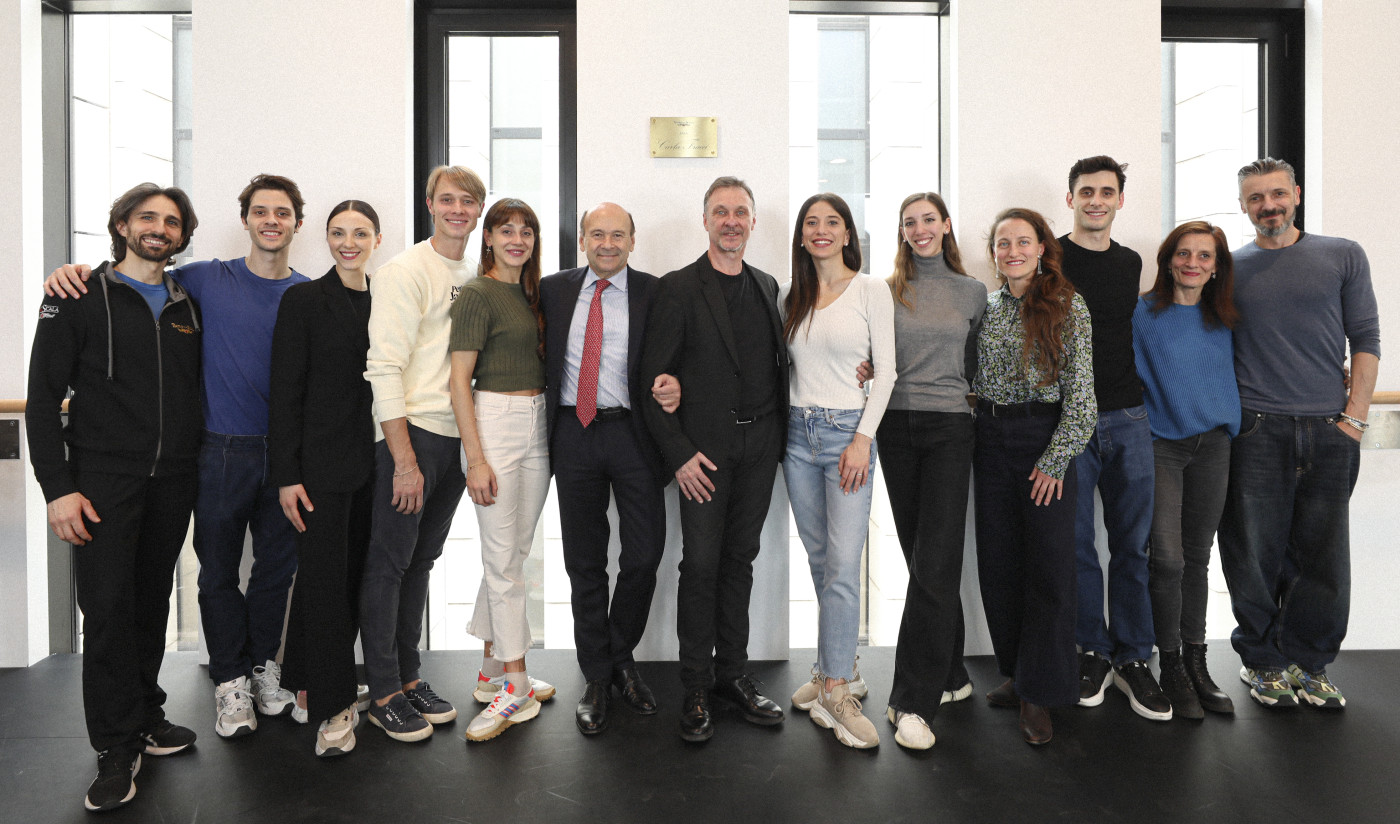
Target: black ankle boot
x,y
1211,696
1178,687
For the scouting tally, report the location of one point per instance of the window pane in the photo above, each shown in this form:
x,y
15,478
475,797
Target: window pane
x,y
1211,102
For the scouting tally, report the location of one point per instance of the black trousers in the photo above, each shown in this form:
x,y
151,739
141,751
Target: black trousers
x,y
325,616
1025,560
589,464
720,540
927,461
124,575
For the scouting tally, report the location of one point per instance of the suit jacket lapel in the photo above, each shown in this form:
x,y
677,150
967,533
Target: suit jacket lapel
x,y
347,323
636,328
557,345
714,298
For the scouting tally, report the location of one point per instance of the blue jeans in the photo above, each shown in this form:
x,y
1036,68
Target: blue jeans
x,y
832,526
1119,461
1284,541
241,629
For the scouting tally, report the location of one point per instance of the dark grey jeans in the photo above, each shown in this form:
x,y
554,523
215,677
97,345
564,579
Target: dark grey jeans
x,y
1192,475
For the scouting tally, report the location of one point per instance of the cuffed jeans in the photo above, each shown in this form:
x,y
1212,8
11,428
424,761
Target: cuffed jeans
x,y
832,525
242,629
1192,474
1119,461
1025,559
402,549
512,432
1284,540
927,462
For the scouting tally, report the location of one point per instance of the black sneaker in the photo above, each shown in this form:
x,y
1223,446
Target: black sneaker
x,y
434,708
400,720
1094,675
115,783
1148,700
167,738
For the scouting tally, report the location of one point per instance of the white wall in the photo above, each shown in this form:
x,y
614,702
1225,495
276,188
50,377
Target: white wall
x,y
320,94
726,59
1352,71
23,527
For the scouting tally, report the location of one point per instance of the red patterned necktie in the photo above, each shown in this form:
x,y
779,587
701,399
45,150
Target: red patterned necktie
x,y
587,402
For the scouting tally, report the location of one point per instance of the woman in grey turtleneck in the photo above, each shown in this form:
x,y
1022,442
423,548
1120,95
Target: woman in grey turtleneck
x,y
926,445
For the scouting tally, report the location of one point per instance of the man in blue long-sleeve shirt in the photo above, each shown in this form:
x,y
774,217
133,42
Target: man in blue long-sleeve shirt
x,y
1284,542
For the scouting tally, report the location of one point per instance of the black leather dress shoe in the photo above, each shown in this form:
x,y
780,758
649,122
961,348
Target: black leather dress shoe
x,y
592,713
635,692
745,695
696,724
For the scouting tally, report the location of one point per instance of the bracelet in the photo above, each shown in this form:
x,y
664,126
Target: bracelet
x,y
1356,423
409,471
471,466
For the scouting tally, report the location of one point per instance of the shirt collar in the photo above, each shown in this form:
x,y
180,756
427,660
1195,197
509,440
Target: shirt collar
x,y
618,281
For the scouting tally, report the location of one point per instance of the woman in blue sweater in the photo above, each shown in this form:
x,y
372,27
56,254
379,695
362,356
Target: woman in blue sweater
x,y
1185,357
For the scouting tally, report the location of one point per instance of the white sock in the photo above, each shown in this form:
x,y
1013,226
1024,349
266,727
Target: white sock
x,y
492,668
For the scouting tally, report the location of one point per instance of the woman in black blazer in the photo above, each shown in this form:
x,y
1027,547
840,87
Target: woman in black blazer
x,y
322,455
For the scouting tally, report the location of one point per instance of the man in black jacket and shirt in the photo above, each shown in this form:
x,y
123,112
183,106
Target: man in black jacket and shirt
x,y
714,325
1118,459
123,492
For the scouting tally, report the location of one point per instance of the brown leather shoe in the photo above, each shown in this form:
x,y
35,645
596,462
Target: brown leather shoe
x,y
1035,724
1004,695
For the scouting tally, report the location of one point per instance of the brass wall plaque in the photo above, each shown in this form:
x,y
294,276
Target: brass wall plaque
x,y
684,137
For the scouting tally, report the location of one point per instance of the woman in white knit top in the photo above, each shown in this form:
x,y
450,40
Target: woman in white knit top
x,y
834,318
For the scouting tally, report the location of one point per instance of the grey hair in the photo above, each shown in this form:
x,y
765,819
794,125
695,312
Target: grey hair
x,y
728,182
1265,166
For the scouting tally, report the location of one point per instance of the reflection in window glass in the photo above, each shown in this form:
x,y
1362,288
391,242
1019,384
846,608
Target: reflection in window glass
x,y
1210,129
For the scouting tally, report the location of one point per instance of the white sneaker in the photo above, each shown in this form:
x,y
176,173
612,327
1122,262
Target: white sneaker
x,y
337,735
298,711
959,694
505,710
268,695
839,711
910,729
807,694
233,708
486,688
362,697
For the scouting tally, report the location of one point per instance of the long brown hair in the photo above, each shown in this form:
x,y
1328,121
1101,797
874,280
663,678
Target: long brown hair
x,y
801,299
504,211
904,256
1045,307
1218,295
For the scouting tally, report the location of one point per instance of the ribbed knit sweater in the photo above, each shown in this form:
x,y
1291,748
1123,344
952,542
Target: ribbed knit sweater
x,y
1187,371
494,319
935,342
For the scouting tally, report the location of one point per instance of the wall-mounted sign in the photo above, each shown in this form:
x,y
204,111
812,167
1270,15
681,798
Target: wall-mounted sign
x,y
684,137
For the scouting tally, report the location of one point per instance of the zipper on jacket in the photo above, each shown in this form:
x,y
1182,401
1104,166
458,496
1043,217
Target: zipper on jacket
x,y
160,396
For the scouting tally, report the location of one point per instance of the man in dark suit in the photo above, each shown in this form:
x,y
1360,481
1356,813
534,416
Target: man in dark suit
x,y
595,317
715,326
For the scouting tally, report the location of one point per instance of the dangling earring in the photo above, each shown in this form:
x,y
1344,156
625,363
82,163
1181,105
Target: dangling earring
x,y
1038,270
488,251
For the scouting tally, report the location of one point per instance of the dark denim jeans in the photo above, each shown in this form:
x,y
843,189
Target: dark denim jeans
x,y
242,629
1119,461
1284,541
1192,474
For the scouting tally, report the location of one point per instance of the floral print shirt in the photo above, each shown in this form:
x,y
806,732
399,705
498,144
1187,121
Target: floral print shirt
x,y
1002,378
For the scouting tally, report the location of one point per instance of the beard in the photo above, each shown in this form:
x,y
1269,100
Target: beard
x,y
135,246
1284,225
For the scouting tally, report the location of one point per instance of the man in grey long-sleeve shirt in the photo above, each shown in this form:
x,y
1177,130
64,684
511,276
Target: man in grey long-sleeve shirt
x,y
1283,539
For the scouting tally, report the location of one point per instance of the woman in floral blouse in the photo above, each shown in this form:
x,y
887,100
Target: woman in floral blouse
x,y
1035,412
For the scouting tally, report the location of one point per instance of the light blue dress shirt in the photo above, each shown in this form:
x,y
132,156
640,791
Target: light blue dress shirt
x,y
612,367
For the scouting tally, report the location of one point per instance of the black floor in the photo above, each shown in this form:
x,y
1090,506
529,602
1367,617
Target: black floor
x,y
1104,764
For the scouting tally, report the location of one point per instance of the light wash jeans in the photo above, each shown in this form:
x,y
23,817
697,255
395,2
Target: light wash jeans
x,y
832,526
512,432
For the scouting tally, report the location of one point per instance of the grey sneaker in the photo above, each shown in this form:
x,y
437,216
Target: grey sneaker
x,y
268,695
434,708
1314,688
400,720
233,709
486,688
839,711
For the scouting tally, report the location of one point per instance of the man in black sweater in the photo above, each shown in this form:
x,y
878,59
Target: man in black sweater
x,y
123,490
1118,459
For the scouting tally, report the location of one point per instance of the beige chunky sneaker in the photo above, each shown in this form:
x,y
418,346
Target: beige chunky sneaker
x,y
839,711
910,729
337,735
807,694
